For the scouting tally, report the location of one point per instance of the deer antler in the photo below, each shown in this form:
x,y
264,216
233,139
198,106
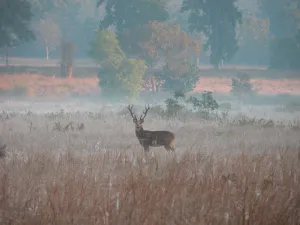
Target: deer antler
x,y
145,112
130,110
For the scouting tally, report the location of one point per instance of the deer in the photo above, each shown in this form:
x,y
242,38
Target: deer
x,y
149,138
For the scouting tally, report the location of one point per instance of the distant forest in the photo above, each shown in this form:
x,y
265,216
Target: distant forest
x,y
265,32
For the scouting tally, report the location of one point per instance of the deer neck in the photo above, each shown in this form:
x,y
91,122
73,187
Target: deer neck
x,y
139,131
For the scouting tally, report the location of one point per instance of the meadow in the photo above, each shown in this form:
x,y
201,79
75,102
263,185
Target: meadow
x,y
76,160
80,163
40,78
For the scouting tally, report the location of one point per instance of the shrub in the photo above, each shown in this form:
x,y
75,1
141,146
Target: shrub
x,y
131,75
204,107
126,80
118,75
241,86
183,79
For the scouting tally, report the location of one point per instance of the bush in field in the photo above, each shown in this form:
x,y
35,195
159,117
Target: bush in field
x,y
241,86
205,107
180,80
118,75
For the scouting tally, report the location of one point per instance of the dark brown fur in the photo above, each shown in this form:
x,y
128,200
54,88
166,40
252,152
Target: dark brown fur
x,y
151,138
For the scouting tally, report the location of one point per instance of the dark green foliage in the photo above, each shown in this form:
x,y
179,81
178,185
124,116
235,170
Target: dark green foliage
x,y
129,17
109,83
173,107
132,13
181,80
241,85
208,102
217,21
282,16
285,53
105,49
203,107
126,80
118,75
15,16
67,57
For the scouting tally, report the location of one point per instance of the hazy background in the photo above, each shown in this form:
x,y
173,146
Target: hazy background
x,y
77,20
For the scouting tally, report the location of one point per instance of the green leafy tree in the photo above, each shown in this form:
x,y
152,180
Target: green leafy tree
x,y
217,20
176,80
48,34
282,15
118,75
253,39
127,79
128,17
178,50
15,16
105,49
241,86
131,75
285,53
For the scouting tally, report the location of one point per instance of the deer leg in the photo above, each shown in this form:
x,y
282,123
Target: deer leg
x,y
167,148
146,148
172,149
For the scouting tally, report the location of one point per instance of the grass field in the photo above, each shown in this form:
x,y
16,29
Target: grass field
x,y
78,161
94,171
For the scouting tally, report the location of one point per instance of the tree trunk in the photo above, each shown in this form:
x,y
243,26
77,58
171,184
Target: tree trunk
x,y
70,71
153,84
6,55
47,52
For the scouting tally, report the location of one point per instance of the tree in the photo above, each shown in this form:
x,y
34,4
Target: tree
x,y
177,50
217,20
253,38
131,75
241,86
67,55
281,14
15,16
284,18
48,33
131,15
118,76
105,49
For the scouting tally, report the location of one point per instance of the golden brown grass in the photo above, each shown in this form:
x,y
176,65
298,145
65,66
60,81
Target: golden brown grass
x,y
262,85
99,175
39,85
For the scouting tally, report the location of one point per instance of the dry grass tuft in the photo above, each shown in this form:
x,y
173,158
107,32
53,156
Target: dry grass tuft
x,y
99,175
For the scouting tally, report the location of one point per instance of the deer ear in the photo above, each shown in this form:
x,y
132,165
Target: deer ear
x,y
142,120
134,120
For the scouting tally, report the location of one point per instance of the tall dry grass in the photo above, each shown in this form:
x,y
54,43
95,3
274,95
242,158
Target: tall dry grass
x,y
98,174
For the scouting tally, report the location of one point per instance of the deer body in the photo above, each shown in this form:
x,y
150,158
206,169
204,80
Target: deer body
x,y
152,138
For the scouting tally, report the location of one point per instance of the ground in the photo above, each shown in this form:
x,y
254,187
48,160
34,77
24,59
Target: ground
x,y
85,81
78,161
39,85
84,165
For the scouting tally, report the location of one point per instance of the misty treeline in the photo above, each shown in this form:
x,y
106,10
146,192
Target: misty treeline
x,y
167,39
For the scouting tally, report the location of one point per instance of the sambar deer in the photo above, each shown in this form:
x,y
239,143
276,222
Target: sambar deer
x,y
149,138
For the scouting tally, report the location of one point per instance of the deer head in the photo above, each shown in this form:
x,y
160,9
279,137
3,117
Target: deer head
x,y
140,121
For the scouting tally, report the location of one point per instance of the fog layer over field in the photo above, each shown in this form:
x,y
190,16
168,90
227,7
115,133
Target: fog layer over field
x,y
87,167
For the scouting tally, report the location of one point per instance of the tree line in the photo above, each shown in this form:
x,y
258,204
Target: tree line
x,y
155,39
